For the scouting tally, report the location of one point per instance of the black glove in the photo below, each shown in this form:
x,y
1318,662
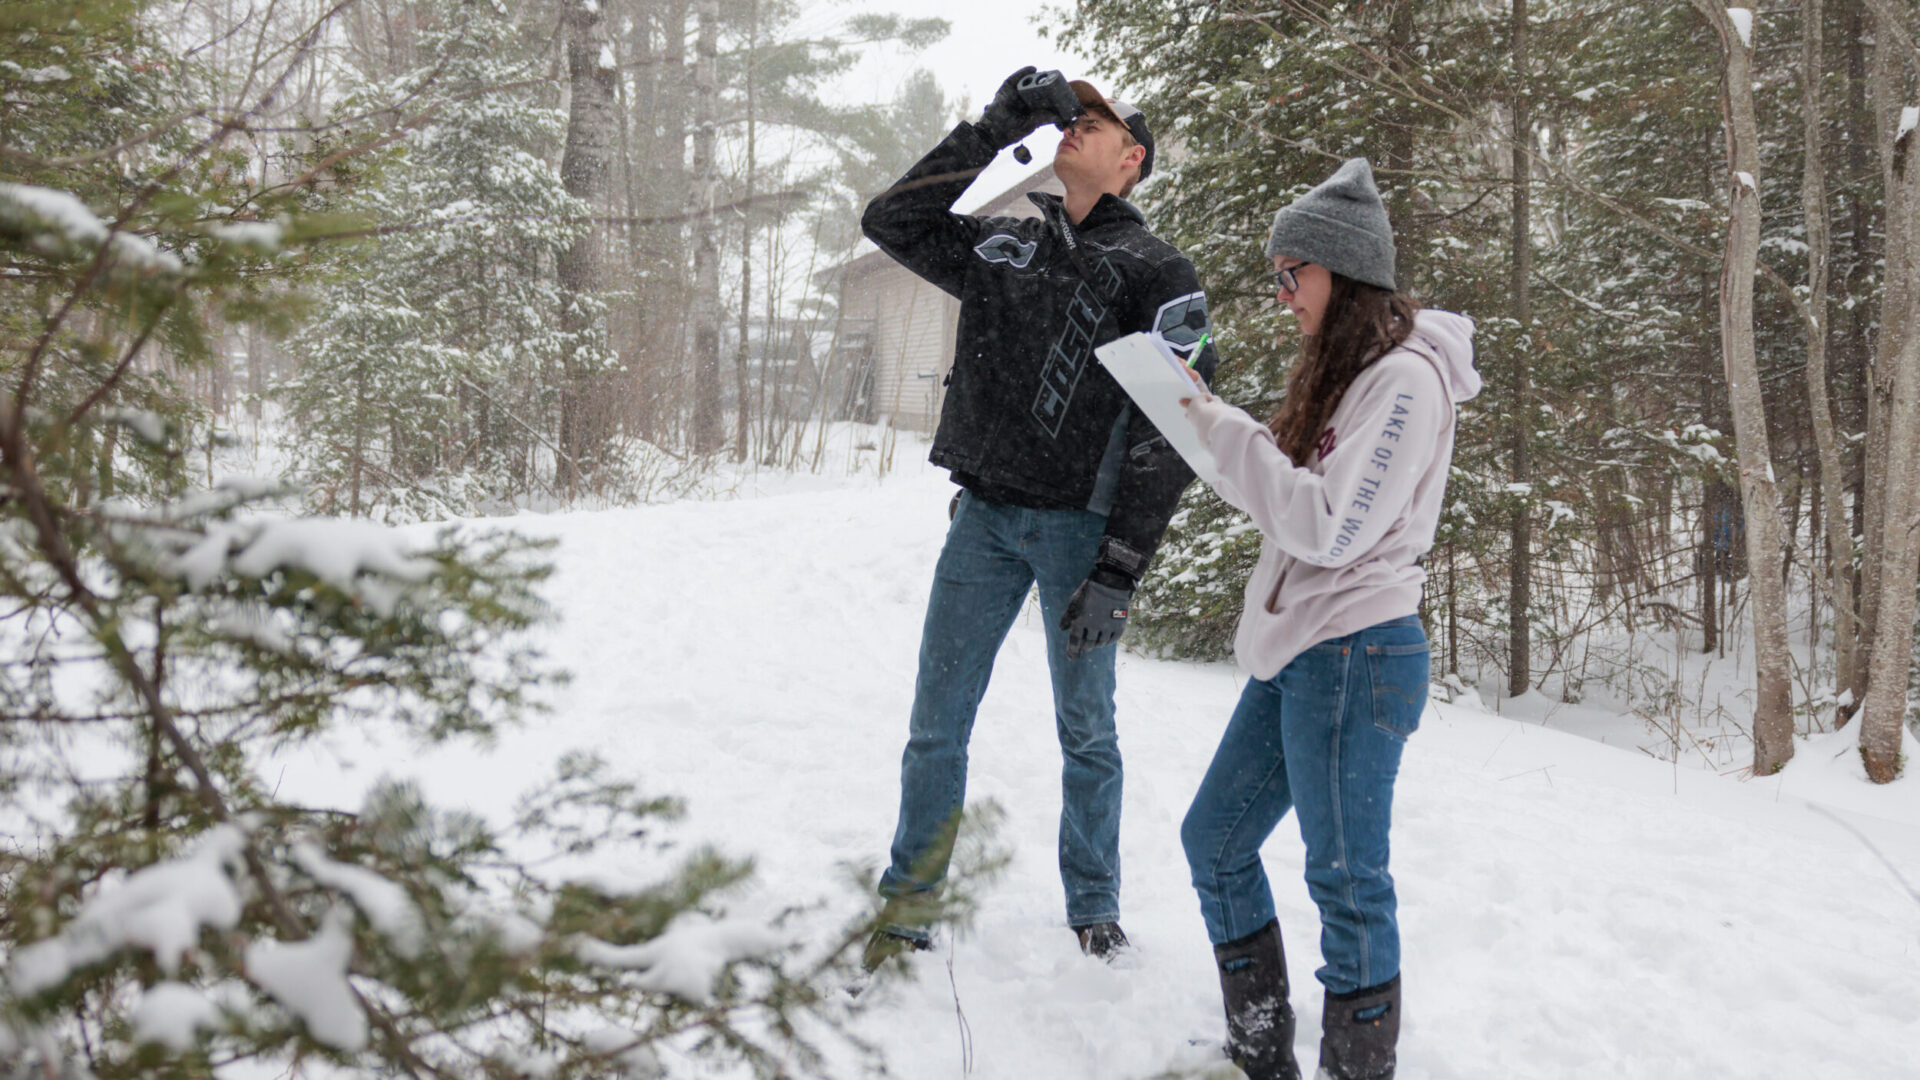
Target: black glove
x,y
1097,614
1025,101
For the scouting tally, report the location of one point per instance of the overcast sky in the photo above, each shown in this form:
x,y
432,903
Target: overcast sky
x,y
989,39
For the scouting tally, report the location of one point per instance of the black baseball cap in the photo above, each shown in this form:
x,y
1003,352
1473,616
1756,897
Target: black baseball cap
x,y
1120,112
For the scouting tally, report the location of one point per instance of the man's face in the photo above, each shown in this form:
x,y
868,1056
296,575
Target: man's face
x,y
1096,152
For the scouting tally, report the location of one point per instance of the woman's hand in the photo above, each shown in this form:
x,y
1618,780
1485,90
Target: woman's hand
x,y
1197,381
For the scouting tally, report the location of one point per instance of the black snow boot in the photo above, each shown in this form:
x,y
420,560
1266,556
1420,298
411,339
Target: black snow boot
x,y
1102,941
1253,982
1359,1032
887,943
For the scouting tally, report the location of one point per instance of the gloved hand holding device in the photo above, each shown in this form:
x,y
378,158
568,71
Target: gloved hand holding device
x,y
1026,100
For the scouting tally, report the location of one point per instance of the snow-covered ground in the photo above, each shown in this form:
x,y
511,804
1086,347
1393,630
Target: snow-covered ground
x,y
1570,908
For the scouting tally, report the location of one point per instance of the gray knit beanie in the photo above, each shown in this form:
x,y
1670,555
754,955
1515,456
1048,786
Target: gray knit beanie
x,y
1341,225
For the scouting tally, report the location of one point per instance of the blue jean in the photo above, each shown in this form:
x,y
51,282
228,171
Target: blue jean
x,y
994,553
1323,737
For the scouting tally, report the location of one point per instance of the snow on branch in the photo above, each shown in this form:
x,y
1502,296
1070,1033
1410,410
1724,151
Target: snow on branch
x,y
384,903
173,1015
56,223
161,908
261,237
309,978
686,958
337,551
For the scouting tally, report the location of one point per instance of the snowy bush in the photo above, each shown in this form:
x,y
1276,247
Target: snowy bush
x,y
165,910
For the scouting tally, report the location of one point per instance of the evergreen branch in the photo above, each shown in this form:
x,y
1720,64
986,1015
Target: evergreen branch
x,y
31,368
133,351
1425,93
52,164
531,430
103,628
139,202
403,126
174,121
396,228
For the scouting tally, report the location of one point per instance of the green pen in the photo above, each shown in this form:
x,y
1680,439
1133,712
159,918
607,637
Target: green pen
x,y
1204,338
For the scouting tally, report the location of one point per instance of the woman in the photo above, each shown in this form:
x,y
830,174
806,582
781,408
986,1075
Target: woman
x,y
1346,485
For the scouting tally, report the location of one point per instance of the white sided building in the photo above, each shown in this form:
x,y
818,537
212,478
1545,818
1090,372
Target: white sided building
x,y
896,336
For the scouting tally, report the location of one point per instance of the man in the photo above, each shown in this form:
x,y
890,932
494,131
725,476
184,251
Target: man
x,y
1064,484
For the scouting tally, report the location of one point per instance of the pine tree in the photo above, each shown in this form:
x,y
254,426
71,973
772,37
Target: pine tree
x,y
1256,108
173,914
432,372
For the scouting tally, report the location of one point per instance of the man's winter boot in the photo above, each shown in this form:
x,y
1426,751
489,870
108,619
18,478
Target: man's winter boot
x,y
887,943
1102,941
1359,1033
1253,982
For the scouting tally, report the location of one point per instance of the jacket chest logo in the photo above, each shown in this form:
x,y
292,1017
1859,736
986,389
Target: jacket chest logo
x,y
1181,325
1328,440
1005,248
1073,350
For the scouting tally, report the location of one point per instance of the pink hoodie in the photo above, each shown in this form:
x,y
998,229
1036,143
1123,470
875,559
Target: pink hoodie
x,y
1342,540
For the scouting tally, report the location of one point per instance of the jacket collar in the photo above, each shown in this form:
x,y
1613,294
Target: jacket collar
x,y
1109,210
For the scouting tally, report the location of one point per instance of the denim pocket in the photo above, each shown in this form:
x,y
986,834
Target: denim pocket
x,y
1398,675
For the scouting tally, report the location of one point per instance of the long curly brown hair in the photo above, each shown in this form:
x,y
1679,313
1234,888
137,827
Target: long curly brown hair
x,y
1362,323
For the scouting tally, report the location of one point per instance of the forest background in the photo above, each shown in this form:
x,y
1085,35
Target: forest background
x,y
468,258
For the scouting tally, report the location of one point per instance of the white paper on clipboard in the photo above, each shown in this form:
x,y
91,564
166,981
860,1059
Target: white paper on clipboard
x,y
1156,382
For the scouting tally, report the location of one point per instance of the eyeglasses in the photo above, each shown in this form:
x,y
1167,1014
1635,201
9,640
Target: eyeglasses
x,y
1284,279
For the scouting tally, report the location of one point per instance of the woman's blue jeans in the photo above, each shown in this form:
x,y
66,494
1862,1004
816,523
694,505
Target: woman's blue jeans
x,y
993,555
1323,738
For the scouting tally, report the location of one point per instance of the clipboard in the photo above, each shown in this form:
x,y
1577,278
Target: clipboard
x,y
1156,382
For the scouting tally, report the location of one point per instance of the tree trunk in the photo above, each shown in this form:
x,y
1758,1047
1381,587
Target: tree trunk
x,y
358,464
1894,429
1852,341
1397,151
256,370
663,286
705,305
586,170
1520,569
626,324
1710,562
1875,450
1832,481
743,417
1773,705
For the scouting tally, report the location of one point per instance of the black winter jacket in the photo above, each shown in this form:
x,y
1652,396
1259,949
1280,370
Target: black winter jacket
x,y
1029,410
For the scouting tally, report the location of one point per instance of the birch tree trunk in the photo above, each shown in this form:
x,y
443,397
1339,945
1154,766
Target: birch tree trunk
x,y
1893,416
586,170
705,302
1814,208
1773,705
